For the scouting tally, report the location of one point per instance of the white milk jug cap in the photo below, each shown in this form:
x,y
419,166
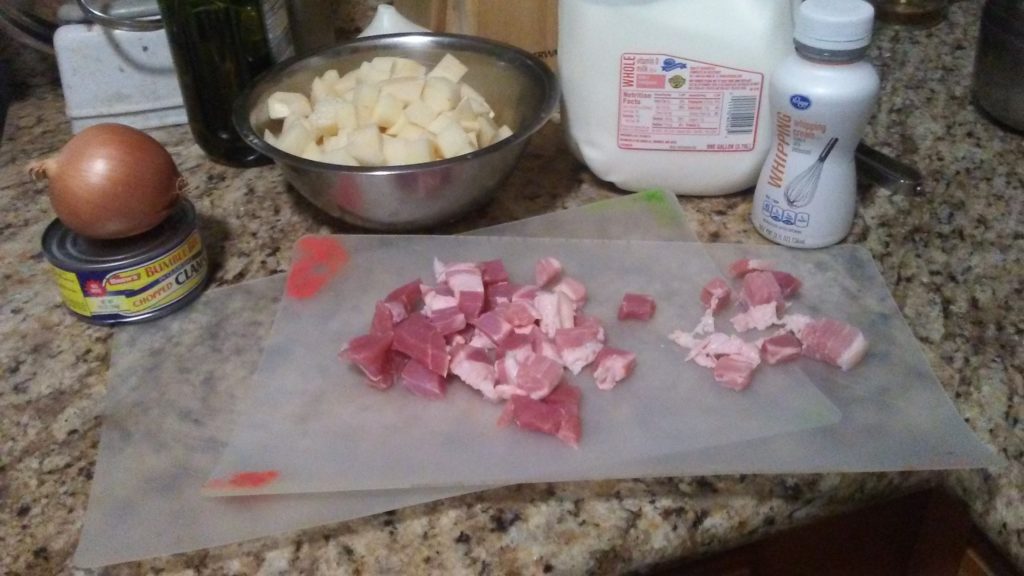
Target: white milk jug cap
x,y
834,24
387,20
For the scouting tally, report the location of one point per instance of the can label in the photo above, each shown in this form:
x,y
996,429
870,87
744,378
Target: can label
x,y
136,291
674,103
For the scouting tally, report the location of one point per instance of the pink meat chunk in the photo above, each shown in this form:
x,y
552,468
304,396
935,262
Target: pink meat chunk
x,y
716,294
743,266
468,287
519,313
585,321
761,288
833,341
546,270
557,415
438,298
781,348
757,317
421,341
572,288
494,326
493,272
541,344
556,311
383,320
788,283
448,321
734,372
527,293
636,307
537,376
370,354
500,293
577,347
443,271
422,381
613,366
408,295
476,369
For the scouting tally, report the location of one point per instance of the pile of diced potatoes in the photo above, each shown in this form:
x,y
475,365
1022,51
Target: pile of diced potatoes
x,y
388,112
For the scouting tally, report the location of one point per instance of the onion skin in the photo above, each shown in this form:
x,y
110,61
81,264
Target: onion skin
x,y
111,181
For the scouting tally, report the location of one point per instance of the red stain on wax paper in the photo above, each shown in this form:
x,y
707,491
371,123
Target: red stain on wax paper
x,y
256,479
317,260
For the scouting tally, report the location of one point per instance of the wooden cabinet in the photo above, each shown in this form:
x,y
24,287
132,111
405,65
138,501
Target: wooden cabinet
x,y
922,534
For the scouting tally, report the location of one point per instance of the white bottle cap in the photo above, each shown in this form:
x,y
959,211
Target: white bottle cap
x,y
837,25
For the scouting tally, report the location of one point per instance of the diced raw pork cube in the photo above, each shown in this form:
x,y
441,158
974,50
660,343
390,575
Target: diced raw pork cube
x,y
370,354
443,272
422,381
557,415
408,295
613,366
448,320
734,372
494,272
438,299
716,294
757,317
761,288
494,326
383,319
572,288
500,293
541,344
474,366
556,311
781,348
788,283
546,270
527,293
834,342
636,307
519,313
468,286
585,321
577,347
416,337
743,266
538,376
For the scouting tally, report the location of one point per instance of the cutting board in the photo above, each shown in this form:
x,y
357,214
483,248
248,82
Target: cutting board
x,y
313,425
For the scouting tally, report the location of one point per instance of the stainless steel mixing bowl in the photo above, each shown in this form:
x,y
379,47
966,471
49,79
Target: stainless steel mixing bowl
x,y
520,88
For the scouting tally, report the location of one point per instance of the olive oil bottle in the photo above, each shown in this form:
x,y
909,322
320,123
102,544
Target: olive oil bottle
x,y
218,47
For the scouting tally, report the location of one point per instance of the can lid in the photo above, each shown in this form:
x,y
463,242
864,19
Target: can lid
x,y
834,25
71,251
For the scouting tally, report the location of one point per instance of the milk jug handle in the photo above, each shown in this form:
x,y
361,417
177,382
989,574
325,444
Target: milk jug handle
x,y
795,5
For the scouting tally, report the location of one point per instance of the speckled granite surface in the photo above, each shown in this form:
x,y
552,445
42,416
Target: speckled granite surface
x,y
953,257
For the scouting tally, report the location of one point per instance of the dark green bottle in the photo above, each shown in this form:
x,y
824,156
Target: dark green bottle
x,y
218,47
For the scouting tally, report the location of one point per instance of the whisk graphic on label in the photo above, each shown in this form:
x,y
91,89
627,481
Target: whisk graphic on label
x,y
800,192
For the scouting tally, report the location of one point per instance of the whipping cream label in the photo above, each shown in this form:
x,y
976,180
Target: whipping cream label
x,y
673,103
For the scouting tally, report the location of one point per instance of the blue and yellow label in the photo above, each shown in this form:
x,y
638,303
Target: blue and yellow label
x,y
124,294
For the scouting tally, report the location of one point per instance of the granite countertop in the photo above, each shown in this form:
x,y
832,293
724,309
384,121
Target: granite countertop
x,y
952,255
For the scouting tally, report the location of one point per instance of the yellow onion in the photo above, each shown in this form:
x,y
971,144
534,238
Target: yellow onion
x,y
111,181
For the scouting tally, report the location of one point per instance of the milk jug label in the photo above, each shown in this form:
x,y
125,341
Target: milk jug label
x,y
672,103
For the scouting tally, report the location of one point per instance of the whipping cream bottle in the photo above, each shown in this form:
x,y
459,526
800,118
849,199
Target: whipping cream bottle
x,y
821,99
671,94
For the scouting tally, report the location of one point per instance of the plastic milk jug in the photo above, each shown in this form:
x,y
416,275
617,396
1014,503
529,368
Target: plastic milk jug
x,y
671,94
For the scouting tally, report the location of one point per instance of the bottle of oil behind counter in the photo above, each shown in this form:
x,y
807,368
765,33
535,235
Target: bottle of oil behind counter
x,y
821,98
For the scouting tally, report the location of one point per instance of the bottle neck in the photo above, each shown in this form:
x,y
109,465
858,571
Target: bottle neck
x,y
830,56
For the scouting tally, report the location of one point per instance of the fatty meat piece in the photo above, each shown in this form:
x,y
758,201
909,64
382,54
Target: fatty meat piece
x,y
734,372
556,311
557,415
494,326
715,295
585,321
408,295
370,354
613,366
743,266
572,288
636,307
421,341
474,367
537,377
527,293
519,313
442,271
543,345
500,293
781,348
546,270
758,317
448,321
468,286
436,299
577,347
761,288
422,381
788,283
707,351
493,272
835,342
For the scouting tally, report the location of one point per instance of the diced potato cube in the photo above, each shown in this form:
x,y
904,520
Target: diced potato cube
x,y
324,120
295,137
449,67
312,152
406,68
295,118
453,142
420,114
339,156
370,74
346,83
503,132
335,142
470,125
387,112
407,90
269,137
397,126
474,140
479,103
441,94
412,132
330,77
443,122
284,104
365,146
384,63
418,151
366,96
487,130
319,91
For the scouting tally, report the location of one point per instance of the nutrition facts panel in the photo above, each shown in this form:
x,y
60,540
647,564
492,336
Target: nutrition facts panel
x,y
671,103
